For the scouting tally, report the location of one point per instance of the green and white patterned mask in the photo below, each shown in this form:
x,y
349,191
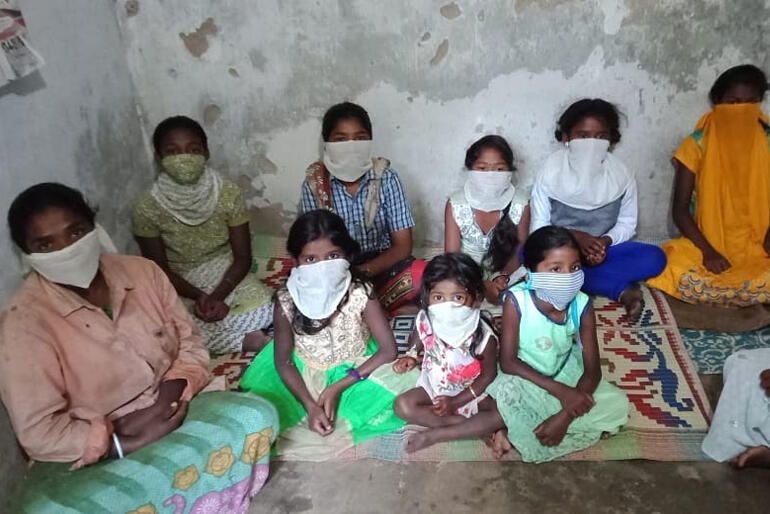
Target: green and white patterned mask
x,y
185,168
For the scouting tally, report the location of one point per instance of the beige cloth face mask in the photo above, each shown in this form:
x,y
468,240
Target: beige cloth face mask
x,y
348,160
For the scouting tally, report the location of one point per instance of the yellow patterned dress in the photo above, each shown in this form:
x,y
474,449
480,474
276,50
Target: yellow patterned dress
x,y
729,153
201,254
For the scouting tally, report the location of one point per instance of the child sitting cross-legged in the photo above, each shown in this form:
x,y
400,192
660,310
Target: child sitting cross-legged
x,y
459,357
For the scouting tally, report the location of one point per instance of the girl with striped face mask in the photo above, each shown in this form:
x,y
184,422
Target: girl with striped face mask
x,y
550,393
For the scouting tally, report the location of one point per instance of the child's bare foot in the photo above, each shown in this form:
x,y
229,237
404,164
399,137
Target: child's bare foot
x,y
633,300
500,443
757,457
255,341
418,441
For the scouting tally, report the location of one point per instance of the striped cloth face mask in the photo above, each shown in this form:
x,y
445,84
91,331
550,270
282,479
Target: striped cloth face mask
x,y
558,289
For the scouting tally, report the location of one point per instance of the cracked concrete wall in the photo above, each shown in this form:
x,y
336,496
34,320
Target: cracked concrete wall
x,y
434,76
73,122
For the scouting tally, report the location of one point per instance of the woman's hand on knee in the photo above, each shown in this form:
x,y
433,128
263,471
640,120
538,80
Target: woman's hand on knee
x,y
210,309
153,431
715,262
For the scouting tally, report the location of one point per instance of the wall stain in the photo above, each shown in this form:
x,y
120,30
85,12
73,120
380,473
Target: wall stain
x,y
244,182
263,165
522,5
211,114
450,11
132,8
233,72
197,41
441,52
258,59
272,219
425,37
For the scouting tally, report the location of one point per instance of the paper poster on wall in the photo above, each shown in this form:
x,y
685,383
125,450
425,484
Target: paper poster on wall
x,y
17,58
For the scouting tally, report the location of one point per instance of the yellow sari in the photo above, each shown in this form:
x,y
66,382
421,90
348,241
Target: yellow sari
x,y
730,156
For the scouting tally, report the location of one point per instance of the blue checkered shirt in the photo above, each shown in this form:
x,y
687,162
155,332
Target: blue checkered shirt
x,y
393,215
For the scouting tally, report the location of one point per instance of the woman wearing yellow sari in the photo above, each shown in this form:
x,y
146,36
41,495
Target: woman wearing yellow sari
x,y
722,200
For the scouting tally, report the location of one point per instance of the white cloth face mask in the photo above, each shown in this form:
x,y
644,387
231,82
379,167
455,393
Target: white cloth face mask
x,y
586,156
75,265
585,175
452,322
317,289
348,160
489,190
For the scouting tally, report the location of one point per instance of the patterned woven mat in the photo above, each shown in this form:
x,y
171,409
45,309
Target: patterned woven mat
x,y
710,349
647,360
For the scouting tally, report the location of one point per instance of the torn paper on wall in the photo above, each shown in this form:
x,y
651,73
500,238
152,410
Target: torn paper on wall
x,y
17,58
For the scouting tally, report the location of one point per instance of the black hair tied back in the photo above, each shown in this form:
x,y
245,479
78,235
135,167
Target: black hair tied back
x,y
542,241
589,108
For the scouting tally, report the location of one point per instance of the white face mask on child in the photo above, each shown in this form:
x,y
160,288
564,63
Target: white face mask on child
x,y
452,322
318,288
586,156
558,289
489,190
348,160
75,265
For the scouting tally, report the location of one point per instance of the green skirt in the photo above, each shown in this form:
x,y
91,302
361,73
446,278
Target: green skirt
x,y
524,405
365,409
217,460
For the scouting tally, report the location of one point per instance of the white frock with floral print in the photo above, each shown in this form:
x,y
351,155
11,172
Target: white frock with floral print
x,y
446,370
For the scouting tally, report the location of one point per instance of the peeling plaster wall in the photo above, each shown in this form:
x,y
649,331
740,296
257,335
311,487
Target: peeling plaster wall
x,y
434,76
73,122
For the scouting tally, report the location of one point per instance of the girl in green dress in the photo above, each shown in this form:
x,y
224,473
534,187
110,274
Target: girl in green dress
x,y
550,393
325,370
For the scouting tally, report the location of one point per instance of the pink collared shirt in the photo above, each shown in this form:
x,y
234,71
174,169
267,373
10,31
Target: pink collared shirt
x,y
65,363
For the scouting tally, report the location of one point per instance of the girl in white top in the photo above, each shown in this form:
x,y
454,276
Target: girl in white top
x,y
583,187
489,218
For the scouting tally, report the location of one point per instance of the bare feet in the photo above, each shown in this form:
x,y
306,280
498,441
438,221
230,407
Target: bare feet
x,y
418,441
757,457
632,299
500,443
255,341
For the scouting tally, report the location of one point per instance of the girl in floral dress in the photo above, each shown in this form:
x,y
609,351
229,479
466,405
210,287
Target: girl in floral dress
x,y
459,356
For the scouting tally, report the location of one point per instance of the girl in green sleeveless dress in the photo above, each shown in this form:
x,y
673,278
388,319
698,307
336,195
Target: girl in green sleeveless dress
x,y
550,393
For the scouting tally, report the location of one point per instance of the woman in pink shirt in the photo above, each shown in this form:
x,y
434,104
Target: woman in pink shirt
x,y
101,366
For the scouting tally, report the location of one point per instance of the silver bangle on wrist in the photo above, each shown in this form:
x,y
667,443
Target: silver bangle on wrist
x,y
118,447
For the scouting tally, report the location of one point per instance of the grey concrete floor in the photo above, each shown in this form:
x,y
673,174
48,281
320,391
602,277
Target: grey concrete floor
x,y
489,487
370,486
